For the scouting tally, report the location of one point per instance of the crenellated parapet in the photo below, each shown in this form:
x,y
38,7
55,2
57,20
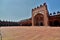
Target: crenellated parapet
x,y
42,5
55,13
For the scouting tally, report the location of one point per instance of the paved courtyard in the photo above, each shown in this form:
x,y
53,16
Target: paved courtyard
x,y
30,33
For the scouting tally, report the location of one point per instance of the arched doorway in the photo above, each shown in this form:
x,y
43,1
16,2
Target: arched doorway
x,y
38,20
56,23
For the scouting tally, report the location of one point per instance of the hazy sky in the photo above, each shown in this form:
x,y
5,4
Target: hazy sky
x,y
15,10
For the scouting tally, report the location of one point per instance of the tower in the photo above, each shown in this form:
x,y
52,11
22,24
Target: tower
x,y
40,16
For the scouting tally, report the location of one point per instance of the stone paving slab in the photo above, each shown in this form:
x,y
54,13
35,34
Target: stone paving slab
x,y
30,33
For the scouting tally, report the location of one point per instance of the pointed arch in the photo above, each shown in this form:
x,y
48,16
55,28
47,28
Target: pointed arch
x,y
38,19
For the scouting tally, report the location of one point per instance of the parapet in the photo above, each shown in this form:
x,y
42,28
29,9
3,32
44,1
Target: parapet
x,y
55,13
44,4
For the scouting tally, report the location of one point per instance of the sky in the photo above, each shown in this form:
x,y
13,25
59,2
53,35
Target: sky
x,y
16,10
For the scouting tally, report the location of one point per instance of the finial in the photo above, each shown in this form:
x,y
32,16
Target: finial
x,y
40,5
34,9
50,13
44,3
37,6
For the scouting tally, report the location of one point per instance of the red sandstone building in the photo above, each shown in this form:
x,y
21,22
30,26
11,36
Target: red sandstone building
x,y
41,17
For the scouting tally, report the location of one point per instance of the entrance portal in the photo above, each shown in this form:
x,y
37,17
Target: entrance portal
x,y
40,24
38,20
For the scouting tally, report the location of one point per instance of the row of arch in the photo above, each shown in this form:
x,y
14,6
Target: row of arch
x,y
54,23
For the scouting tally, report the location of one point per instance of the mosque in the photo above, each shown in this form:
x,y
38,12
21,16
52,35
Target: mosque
x,y
42,17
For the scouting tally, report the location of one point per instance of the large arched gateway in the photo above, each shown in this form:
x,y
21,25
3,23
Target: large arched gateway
x,y
38,20
40,16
